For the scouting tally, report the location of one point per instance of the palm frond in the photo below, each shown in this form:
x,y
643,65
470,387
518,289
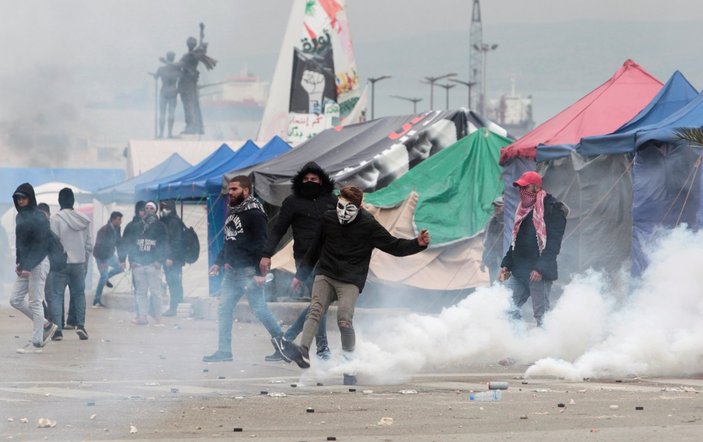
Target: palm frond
x,y
692,135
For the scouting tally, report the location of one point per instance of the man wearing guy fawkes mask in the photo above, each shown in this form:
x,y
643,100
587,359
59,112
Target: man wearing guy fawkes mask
x,y
302,211
340,255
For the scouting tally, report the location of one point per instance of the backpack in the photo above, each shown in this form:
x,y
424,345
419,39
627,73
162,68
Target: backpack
x,y
57,255
190,245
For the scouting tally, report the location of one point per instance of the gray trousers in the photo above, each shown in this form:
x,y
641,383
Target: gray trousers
x,y
326,290
147,281
28,297
523,288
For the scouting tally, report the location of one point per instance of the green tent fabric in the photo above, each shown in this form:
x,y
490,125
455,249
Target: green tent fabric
x,y
455,186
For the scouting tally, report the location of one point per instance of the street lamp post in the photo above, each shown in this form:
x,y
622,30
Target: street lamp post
x,y
413,100
468,84
447,87
373,81
484,48
431,81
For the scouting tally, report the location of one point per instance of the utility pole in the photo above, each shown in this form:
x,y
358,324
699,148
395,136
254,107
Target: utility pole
x,y
468,84
447,87
413,100
431,81
475,56
373,81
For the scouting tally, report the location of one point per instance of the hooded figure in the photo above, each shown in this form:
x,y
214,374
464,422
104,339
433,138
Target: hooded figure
x,y
131,230
73,228
302,211
31,230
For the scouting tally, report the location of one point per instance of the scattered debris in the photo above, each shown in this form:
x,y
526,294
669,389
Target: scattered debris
x,y
639,408
277,395
133,429
572,402
309,410
507,362
90,404
264,392
162,357
24,420
367,391
408,392
331,438
237,429
174,390
320,384
582,391
151,384
619,381
220,377
594,430
614,407
276,381
523,417
561,405
205,370
352,390
387,421
293,385
46,423
497,385
93,416
10,419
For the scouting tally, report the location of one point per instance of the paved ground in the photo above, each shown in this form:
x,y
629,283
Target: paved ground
x,y
150,380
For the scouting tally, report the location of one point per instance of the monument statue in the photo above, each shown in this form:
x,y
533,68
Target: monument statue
x,y
169,74
188,83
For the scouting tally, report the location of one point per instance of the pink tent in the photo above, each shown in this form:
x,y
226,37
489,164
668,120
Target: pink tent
x,y
600,112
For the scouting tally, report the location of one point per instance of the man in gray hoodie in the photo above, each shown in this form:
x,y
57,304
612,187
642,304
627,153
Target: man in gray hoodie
x,y
73,229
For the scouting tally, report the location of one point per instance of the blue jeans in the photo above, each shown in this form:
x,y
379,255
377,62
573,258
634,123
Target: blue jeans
x,y
72,276
108,268
297,327
237,283
174,279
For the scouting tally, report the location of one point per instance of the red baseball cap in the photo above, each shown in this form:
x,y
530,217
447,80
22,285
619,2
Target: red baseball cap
x,y
528,178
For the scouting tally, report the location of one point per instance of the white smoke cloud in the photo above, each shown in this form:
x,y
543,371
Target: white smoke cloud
x,y
592,331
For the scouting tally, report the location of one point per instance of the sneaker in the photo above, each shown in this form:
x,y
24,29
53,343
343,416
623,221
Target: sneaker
x,y
99,305
69,327
169,313
140,321
323,353
218,356
58,336
279,344
30,348
273,357
108,284
349,379
82,334
49,330
297,354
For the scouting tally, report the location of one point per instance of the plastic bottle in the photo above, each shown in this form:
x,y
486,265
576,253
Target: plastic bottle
x,y
497,385
490,395
268,278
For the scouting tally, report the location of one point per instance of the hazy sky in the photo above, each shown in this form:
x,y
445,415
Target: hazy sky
x,y
71,52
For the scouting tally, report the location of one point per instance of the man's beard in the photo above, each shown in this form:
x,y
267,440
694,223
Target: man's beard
x,y
235,201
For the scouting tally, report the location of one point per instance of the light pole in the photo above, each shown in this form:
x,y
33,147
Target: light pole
x,y
413,100
373,81
447,87
468,84
484,48
431,81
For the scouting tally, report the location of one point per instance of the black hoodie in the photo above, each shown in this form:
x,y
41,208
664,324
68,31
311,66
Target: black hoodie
x,y
302,212
32,231
131,231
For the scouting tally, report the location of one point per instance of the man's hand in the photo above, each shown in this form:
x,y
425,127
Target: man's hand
x,y
25,274
504,274
423,239
535,276
296,285
169,262
264,265
214,270
18,271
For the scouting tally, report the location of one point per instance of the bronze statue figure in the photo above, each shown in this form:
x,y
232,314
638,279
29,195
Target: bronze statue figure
x,y
169,74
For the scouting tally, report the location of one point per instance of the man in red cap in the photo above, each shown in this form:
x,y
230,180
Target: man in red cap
x,y
530,265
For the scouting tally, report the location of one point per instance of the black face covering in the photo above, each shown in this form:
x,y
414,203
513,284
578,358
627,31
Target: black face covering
x,y
310,189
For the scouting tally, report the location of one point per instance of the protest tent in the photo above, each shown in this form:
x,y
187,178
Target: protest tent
x,y
601,111
124,192
593,178
454,208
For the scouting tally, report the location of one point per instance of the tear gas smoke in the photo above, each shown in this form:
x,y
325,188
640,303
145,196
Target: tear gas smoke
x,y
589,332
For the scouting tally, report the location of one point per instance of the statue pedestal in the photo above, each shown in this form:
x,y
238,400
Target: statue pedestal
x,y
189,137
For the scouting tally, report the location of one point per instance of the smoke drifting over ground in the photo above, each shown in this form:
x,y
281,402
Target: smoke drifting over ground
x,y
591,331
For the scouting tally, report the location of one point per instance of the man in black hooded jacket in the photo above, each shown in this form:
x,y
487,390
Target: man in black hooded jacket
x,y
302,211
129,242
32,235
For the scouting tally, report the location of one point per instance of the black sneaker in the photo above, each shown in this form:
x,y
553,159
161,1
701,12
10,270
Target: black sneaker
x,y
349,379
218,356
273,357
297,354
279,344
49,330
58,336
82,334
69,327
108,284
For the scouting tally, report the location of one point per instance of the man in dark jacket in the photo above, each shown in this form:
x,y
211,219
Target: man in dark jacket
x,y
342,252
32,234
128,242
531,261
173,267
104,251
302,211
245,236
147,255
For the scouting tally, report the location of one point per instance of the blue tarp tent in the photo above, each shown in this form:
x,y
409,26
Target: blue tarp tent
x,y
149,191
594,179
124,192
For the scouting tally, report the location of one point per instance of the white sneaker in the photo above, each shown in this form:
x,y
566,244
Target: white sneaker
x,y
30,349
